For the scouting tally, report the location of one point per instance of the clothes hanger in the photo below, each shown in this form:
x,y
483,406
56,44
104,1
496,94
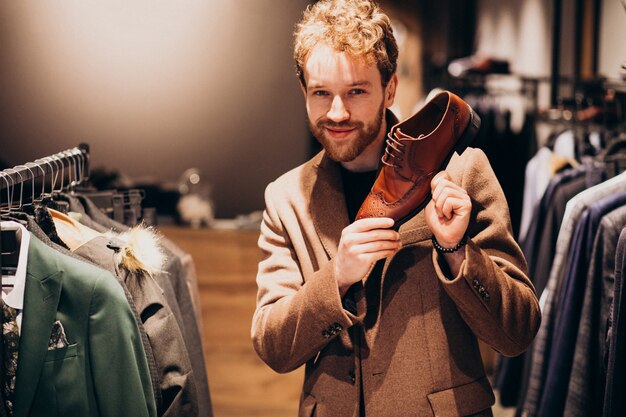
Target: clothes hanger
x,y
14,235
48,200
62,205
82,184
45,195
10,245
23,204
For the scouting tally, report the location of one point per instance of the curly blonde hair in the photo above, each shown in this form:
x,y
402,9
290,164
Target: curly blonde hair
x,y
357,27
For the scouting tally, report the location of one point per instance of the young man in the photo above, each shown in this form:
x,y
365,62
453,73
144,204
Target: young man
x,y
385,324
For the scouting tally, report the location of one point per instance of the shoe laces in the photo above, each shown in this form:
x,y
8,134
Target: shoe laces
x,y
394,151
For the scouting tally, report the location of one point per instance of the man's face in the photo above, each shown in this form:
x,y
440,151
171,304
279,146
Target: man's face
x,y
345,102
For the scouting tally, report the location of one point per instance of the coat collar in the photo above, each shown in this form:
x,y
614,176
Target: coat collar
x,y
43,290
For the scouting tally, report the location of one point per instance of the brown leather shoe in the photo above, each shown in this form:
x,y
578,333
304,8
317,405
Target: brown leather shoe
x,y
417,149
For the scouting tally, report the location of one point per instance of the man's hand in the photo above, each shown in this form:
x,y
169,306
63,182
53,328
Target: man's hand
x,y
448,215
362,244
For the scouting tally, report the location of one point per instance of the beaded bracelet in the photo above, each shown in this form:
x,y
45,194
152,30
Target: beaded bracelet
x,y
441,249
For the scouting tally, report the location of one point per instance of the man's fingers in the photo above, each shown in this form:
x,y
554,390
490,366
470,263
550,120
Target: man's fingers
x,y
443,175
450,206
447,186
365,225
372,247
371,236
376,256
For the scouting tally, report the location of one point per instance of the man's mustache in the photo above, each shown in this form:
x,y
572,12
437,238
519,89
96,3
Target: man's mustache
x,y
340,125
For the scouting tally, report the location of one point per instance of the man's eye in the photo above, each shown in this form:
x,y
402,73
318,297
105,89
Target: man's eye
x,y
320,93
357,91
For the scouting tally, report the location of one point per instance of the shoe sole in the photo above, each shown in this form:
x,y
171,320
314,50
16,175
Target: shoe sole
x,y
464,141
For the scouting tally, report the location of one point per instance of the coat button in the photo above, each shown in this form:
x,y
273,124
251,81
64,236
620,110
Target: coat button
x,y
325,333
337,327
475,283
486,295
352,376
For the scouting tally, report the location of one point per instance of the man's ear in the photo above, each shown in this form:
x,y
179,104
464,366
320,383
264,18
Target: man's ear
x,y
390,90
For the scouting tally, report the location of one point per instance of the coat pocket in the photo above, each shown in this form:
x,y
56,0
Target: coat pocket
x,y
463,400
64,387
61,353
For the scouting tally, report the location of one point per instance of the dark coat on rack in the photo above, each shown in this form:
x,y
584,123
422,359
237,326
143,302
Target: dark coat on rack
x,y
177,296
176,377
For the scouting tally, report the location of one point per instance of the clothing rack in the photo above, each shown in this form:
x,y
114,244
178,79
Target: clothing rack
x,y
71,165
491,84
65,168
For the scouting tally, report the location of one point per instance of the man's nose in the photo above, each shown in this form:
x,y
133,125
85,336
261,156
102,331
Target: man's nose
x,y
338,111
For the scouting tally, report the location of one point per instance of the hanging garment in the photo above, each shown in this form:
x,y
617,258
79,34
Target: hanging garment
x,y
177,295
188,271
585,392
134,257
10,349
540,251
569,306
614,399
36,230
537,176
539,247
3,410
565,144
104,370
548,300
13,288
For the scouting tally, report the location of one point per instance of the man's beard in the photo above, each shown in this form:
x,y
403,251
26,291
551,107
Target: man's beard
x,y
348,150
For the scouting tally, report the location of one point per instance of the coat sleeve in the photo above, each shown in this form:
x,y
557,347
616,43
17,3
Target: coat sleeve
x,y
492,290
120,370
294,319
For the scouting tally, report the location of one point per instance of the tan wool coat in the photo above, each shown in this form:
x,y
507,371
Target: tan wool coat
x,y
412,345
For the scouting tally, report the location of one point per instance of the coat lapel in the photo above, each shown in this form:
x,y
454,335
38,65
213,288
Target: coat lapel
x,y
41,298
328,204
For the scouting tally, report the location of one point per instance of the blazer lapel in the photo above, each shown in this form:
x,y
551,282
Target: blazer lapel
x,y
328,204
41,298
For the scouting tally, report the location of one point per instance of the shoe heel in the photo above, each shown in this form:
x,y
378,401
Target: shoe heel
x,y
470,132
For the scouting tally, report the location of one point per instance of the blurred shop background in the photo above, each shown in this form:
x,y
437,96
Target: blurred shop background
x,y
190,108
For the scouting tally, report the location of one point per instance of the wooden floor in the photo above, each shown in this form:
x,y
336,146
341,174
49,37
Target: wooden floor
x,y
241,384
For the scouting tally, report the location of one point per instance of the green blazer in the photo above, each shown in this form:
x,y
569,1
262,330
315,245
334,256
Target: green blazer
x,y
103,370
